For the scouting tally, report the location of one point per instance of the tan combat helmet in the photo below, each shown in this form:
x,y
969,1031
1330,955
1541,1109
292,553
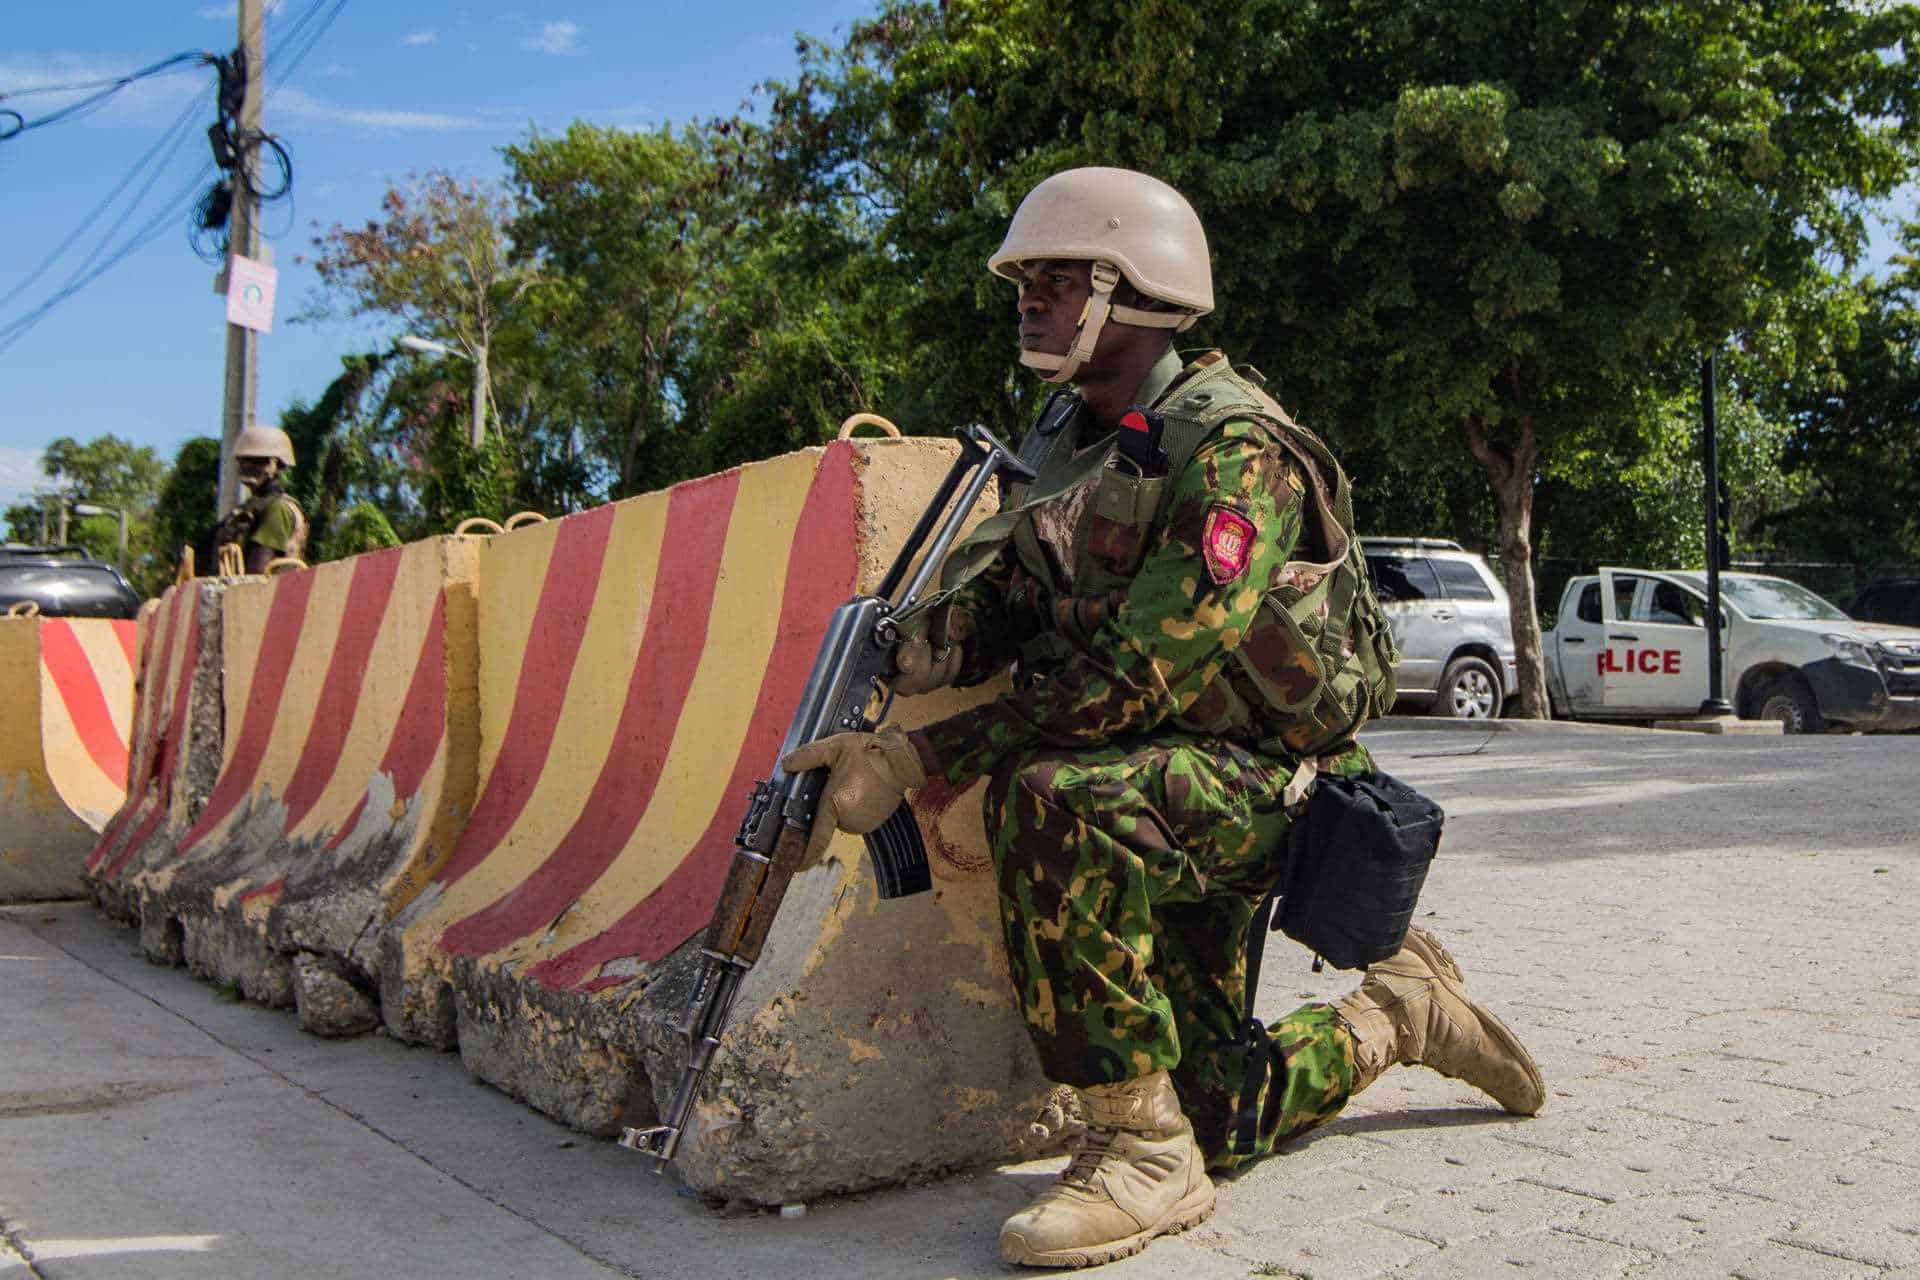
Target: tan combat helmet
x,y
262,441
1126,224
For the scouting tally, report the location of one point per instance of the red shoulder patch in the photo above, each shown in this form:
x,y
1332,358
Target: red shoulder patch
x,y
1227,543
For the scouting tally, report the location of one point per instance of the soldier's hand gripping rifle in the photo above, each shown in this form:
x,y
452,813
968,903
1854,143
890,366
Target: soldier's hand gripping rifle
x,y
849,674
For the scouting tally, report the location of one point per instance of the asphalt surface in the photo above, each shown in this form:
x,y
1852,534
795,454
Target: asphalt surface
x,y
1708,943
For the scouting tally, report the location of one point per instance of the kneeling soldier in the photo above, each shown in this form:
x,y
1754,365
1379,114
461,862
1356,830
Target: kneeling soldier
x,y
1194,643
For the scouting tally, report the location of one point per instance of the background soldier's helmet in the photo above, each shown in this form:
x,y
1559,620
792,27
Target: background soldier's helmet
x,y
262,441
1128,225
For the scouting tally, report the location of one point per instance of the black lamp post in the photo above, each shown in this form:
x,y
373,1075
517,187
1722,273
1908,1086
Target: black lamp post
x,y
1716,703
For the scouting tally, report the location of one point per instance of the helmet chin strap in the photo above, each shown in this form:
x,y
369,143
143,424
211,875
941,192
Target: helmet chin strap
x,y
1093,318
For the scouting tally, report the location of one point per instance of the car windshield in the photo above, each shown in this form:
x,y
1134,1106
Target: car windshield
x,y
1778,599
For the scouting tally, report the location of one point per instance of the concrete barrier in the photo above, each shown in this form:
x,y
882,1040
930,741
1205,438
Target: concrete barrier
x,y
638,667
175,750
66,712
346,769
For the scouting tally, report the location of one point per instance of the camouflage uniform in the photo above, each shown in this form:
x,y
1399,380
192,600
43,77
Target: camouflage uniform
x,y
270,519
1134,817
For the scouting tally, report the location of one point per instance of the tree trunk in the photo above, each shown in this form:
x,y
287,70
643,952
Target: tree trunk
x,y
1511,469
642,415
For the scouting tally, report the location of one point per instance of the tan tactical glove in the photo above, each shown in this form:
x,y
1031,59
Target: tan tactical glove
x,y
868,775
920,667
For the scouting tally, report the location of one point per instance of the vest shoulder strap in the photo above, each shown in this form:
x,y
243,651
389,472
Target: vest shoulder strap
x,y
1198,407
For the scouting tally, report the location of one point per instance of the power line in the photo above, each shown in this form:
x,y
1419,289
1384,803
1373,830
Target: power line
x,y
299,40
170,141
105,89
288,58
148,231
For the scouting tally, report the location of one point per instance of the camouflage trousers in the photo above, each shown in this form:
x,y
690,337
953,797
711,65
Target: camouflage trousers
x,y
1128,878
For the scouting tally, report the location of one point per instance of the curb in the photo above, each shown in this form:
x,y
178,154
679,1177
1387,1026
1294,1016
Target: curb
x,y
1448,724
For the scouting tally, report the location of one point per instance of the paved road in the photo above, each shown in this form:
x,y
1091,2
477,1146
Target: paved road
x,y
1709,943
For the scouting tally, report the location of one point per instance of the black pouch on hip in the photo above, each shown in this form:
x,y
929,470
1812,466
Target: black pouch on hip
x,y
1355,865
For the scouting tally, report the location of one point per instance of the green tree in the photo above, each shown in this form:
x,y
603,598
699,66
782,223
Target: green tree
x,y
1494,227
630,232
1856,433
438,262
180,515
105,472
361,527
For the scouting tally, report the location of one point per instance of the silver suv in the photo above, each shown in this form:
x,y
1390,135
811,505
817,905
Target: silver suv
x,y
1449,616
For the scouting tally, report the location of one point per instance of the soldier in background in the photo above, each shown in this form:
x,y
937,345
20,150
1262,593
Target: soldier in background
x,y
1195,642
269,525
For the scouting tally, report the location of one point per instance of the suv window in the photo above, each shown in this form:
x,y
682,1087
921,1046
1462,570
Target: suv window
x,y
75,589
1462,580
1398,579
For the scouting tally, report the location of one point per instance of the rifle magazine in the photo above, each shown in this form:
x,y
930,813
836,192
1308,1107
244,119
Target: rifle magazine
x,y
899,855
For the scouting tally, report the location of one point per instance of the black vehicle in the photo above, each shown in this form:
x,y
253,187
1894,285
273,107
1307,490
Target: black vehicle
x,y
1896,600
66,582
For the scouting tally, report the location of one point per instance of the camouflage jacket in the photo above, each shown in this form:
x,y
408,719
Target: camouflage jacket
x,y
1123,629
270,518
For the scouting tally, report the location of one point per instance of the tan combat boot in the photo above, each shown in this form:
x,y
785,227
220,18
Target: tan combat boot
x,y
1138,1174
1413,1008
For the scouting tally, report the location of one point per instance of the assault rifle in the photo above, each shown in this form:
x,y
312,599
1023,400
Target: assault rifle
x,y
849,674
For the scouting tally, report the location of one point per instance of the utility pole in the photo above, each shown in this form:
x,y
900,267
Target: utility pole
x,y
243,239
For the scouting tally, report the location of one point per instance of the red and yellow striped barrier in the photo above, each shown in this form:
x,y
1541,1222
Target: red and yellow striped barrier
x,y
485,792
639,666
346,771
178,647
67,686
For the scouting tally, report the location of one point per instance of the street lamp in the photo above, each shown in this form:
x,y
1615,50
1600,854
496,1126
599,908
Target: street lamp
x,y
1716,703
89,509
479,359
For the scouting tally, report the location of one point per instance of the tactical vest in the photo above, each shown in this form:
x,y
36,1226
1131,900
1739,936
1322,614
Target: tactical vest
x,y
1082,527
240,523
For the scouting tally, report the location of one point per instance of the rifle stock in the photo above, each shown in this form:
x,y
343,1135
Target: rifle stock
x,y
851,669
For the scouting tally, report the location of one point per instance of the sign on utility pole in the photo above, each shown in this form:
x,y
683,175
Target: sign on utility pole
x,y
243,241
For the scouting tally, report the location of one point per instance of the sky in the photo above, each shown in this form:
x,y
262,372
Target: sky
x,y
385,91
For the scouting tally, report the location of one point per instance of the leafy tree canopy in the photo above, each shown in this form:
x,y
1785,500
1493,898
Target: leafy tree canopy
x,y
1487,225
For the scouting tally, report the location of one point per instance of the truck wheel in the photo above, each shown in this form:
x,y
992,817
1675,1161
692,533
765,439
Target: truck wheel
x,y
1469,690
1790,701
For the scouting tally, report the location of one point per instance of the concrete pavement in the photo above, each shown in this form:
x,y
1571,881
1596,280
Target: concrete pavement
x,y
1708,942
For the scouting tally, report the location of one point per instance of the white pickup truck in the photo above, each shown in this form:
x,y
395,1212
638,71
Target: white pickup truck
x,y
1631,644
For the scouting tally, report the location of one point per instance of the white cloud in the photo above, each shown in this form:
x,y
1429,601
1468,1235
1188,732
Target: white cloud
x,y
420,37
304,106
137,101
231,9
632,113
555,37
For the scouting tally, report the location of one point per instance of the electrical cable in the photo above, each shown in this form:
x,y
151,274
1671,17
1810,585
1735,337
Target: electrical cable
x,y
105,81
292,61
170,141
301,37
14,330
94,101
272,143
